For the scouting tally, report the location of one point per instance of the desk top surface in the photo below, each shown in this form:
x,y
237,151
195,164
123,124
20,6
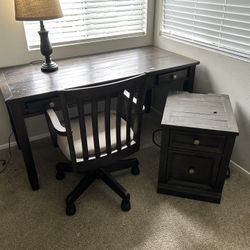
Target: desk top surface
x,y
28,81
201,111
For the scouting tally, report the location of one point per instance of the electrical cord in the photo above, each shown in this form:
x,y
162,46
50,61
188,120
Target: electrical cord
x,y
153,137
5,163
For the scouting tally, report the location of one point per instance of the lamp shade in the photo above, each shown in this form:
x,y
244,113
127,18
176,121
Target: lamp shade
x,y
37,10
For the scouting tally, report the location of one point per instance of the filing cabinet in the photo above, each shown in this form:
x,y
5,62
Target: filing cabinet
x,y
198,134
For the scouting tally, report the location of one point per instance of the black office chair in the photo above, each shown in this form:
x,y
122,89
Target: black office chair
x,y
107,128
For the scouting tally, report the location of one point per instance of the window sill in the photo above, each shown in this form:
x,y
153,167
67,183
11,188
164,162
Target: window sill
x,y
201,45
81,42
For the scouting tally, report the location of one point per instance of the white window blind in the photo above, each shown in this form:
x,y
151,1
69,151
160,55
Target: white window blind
x,y
92,20
219,24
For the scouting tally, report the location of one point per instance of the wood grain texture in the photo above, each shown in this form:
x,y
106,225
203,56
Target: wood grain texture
x,y
200,111
28,80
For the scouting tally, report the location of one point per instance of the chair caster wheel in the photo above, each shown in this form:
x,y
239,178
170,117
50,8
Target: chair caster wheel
x,y
70,210
125,206
60,175
135,170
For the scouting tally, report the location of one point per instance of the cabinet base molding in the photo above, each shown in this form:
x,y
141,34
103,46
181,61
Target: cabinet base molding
x,y
190,193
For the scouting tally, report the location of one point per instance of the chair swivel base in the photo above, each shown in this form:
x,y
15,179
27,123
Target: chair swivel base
x,y
89,178
133,163
71,208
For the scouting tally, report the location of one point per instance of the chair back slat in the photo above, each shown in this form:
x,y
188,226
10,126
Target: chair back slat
x,y
138,118
119,106
129,118
95,129
105,109
83,132
107,124
67,124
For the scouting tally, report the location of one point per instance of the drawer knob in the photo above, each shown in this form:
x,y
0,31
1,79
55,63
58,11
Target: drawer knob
x,y
174,76
196,142
191,170
51,104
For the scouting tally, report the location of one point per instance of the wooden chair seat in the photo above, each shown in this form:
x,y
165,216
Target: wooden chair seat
x,y
62,140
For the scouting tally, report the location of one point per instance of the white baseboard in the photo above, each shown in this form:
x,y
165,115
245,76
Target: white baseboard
x,y
5,146
240,168
32,138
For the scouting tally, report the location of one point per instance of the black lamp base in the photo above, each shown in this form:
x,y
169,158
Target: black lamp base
x,y
49,67
46,50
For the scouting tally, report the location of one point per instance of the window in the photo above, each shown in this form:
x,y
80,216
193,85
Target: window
x,y
92,20
223,25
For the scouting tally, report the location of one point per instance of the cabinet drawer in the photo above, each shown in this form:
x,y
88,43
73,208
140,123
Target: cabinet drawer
x,y
39,106
191,169
197,141
173,76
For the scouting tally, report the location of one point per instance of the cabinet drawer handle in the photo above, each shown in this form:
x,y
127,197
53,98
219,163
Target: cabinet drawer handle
x,y
174,76
196,142
191,170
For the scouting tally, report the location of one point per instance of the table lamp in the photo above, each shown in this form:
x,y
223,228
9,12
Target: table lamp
x,y
39,10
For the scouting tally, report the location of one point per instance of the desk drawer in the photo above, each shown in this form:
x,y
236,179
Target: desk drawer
x,y
173,81
192,169
173,76
39,106
197,141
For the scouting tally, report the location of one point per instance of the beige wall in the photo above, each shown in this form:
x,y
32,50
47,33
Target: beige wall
x,y
220,74
13,51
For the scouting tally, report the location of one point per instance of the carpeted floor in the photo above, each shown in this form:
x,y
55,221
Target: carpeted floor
x,y
37,220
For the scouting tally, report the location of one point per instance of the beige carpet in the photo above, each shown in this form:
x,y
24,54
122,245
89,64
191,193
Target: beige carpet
x,y
37,220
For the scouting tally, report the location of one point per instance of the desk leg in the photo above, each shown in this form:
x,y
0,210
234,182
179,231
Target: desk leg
x,y
17,118
13,128
148,101
189,84
148,98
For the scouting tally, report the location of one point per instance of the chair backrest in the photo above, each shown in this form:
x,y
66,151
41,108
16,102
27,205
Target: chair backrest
x,y
125,97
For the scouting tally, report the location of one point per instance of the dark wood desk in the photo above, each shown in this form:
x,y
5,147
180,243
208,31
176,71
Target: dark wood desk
x,y
27,91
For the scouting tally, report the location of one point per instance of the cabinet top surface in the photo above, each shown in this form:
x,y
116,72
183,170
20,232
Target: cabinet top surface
x,y
28,80
200,111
